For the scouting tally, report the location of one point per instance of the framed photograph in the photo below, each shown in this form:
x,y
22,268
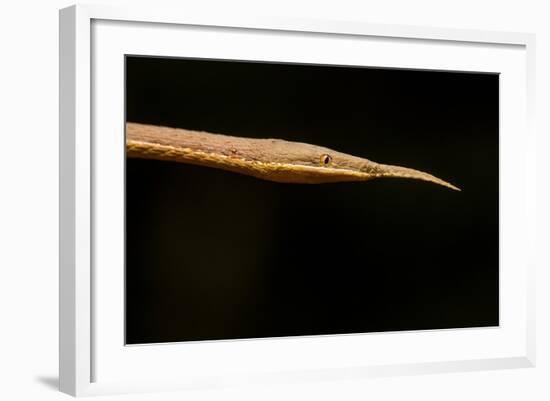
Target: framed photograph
x,y
277,200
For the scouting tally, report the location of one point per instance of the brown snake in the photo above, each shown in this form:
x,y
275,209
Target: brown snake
x,y
269,159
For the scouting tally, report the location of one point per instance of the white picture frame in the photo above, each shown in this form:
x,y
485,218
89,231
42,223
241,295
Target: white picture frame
x,y
92,356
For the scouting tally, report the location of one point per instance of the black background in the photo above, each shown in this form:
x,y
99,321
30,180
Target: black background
x,y
216,255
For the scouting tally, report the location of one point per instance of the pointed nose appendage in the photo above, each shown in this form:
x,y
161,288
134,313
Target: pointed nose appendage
x,y
386,170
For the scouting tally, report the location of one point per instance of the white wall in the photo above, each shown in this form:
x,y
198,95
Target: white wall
x,y
29,184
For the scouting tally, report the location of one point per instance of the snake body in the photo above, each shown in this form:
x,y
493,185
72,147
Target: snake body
x,y
269,159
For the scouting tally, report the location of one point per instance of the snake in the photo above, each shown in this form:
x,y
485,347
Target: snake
x,y
268,159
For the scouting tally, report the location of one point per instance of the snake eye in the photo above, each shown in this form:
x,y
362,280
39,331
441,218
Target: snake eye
x,y
326,160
